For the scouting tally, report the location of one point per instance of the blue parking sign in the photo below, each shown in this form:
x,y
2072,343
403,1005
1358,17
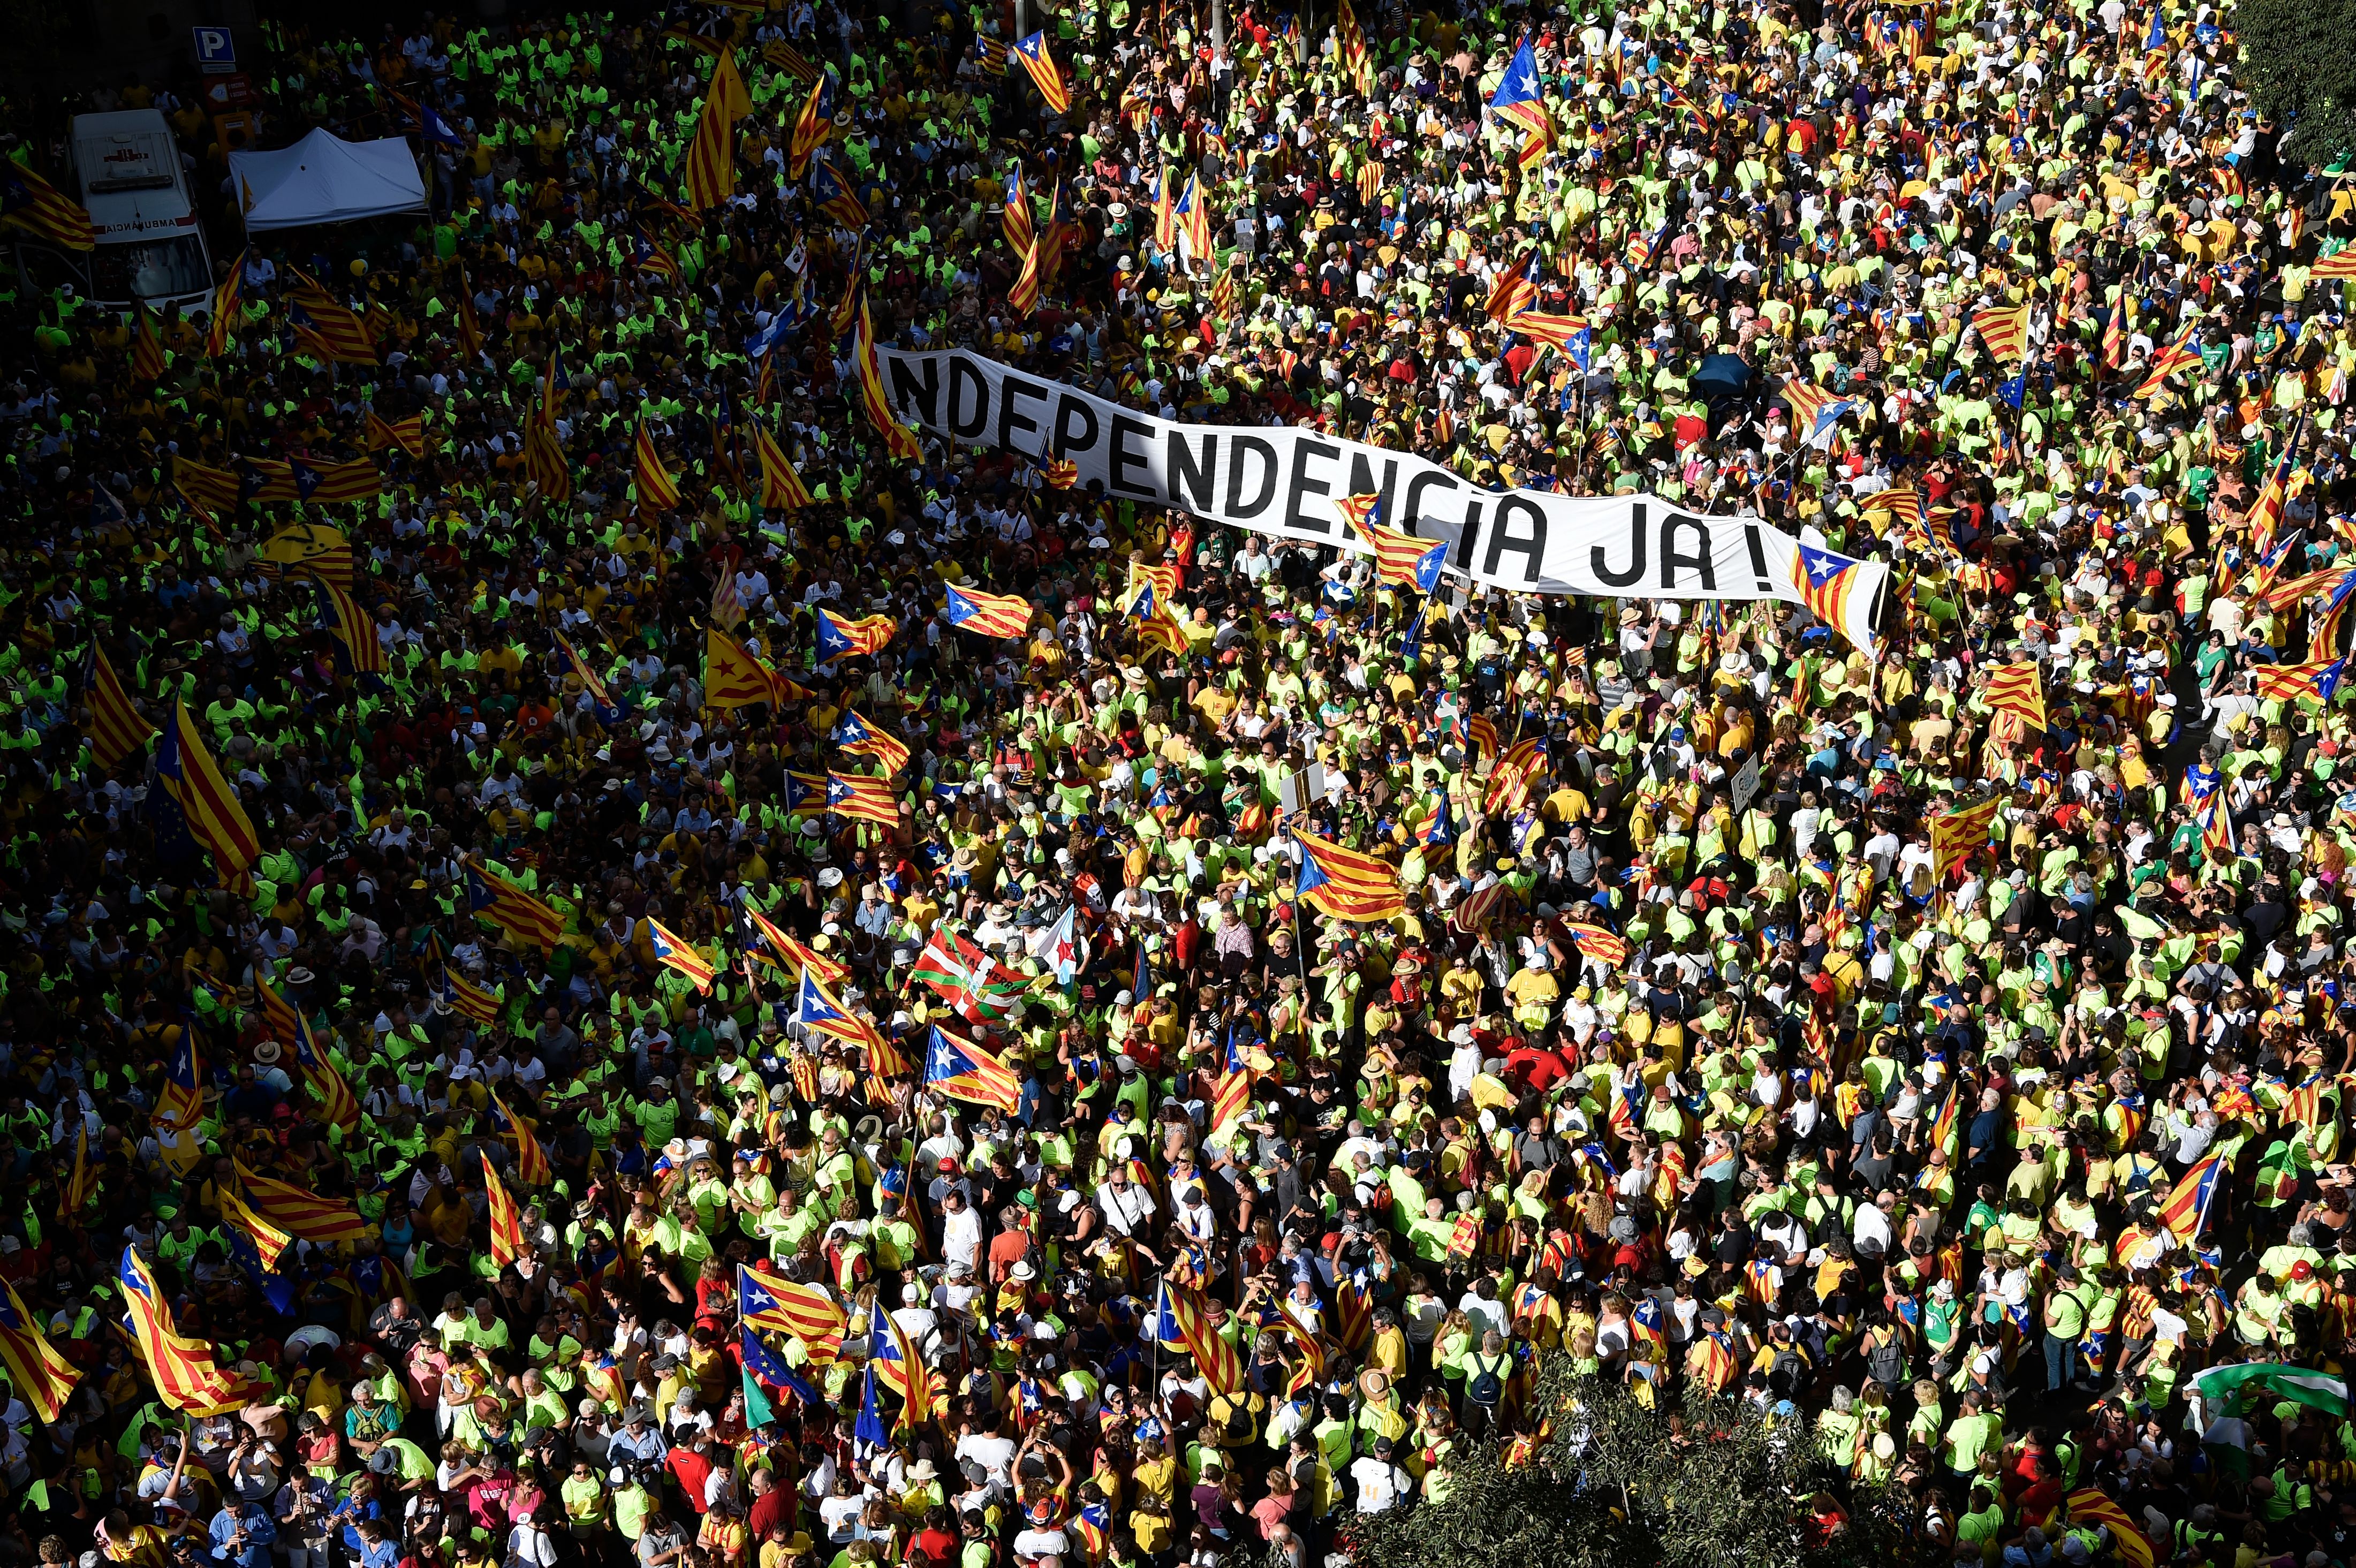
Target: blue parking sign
x,y
216,51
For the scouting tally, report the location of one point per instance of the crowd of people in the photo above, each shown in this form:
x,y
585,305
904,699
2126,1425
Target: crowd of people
x,y
571,1005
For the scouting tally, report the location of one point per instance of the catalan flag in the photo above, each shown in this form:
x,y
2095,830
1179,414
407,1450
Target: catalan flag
x,y
543,450
228,308
780,486
2180,355
963,1070
114,727
1023,295
2004,331
2090,1505
82,1183
1559,332
336,1105
524,919
862,799
901,441
2216,820
39,1375
270,1243
186,1376
789,59
2292,682
901,1368
861,738
341,337
532,1168
2017,689
735,678
1517,100
769,1300
1959,834
469,1000
656,487
300,1213
1149,607
1509,781
42,211
813,126
834,196
988,615
1033,52
1180,1320
712,152
1014,222
1347,883
200,803
1593,941
1400,559
148,348
506,1223
794,955
354,629
839,639
1824,581
2187,1209
2338,266
677,953
400,435
1194,220
1355,59
1948,1123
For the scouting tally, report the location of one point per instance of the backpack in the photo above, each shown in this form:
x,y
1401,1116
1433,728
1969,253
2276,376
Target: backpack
x,y
1885,1360
1484,1385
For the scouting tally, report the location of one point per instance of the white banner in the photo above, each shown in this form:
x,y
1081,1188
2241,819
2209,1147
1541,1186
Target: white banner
x,y
1282,481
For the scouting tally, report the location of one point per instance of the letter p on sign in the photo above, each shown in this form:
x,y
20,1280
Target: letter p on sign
x,y
216,53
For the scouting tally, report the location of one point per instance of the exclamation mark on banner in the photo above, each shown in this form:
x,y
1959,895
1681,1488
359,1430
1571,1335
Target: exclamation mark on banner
x,y
1758,548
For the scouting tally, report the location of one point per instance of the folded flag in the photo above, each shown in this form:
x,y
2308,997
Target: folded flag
x,y
677,953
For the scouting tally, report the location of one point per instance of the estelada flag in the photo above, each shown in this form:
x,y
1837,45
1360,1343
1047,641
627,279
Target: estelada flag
x,y
859,735
768,1300
523,917
41,209
988,615
963,1070
1033,52
1347,883
839,639
792,953
532,1167
1957,835
677,953
1595,942
186,1376
2017,689
862,799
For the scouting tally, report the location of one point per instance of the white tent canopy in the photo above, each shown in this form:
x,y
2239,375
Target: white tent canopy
x,y
321,180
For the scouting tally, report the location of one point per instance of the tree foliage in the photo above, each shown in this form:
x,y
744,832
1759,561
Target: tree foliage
x,y
2301,72
1692,1483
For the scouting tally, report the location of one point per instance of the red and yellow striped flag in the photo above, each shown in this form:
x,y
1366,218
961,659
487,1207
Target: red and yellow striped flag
x,y
711,154
769,1300
2017,689
2004,331
780,486
532,1168
655,487
1957,835
41,209
208,807
186,1376
405,435
862,799
2180,355
897,438
114,727
735,678
301,1213
39,1374
1347,883
507,1226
